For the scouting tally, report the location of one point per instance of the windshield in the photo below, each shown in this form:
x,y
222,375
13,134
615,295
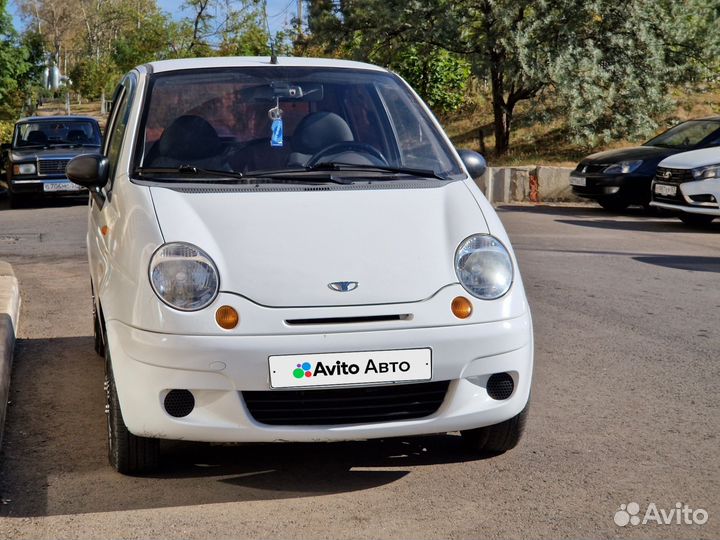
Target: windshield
x,y
691,134
286,120
57,133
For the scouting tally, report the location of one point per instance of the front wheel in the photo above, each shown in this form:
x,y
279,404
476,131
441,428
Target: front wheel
x,y
16,200
613,204
128,453
497,438
696,220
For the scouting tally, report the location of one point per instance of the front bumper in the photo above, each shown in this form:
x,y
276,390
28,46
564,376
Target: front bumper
x,y
57,185
634,187
691,197
217,369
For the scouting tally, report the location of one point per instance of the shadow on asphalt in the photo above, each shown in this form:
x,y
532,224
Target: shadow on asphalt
x,y
599,218
696,264
54,458
50,202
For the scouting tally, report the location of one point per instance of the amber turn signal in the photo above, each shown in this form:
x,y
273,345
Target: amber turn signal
x,y
461,307
227,317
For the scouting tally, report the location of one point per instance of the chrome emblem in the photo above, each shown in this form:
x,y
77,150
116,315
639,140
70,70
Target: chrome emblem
x,y
584,169
666,174
343,286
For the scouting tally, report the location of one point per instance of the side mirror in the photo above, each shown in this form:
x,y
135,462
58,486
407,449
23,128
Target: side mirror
x,y
88,170
5,146
474,163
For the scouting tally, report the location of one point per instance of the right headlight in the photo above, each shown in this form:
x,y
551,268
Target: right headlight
x,y
484,266
703,173
24,168
184,276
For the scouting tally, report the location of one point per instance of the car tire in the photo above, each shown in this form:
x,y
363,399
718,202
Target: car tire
x,y
696,220
497,438
128,453
17,201
613,204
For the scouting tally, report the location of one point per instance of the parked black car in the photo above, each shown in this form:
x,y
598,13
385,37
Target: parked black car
x,y
34,162
618,178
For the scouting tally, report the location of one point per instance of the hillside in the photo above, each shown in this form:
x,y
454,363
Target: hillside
x,y
545,141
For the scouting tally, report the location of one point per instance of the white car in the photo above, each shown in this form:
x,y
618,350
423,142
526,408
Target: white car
x,y
291,250
689,183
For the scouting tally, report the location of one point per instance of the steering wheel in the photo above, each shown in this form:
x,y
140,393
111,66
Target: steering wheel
x,y
347,146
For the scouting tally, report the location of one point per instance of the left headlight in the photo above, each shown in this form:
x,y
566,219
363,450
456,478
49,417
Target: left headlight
x,y
24,168
703,173
484,266
184,276
624,167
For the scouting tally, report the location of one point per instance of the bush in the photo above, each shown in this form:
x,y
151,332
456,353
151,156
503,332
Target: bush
x,y
6,131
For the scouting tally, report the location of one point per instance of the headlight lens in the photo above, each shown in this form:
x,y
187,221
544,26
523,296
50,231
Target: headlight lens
x,y
24,168
184,276
702,173
624,167
484,266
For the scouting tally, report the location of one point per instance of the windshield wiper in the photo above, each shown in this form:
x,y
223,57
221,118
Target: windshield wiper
x,y
236,177
230,176
339,166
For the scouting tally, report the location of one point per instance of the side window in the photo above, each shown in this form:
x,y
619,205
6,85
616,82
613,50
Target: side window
x,y
117,124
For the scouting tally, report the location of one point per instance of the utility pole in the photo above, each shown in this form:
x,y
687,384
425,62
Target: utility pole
x,y
299,17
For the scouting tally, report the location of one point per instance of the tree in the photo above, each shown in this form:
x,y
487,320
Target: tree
x,y
14,66
608,62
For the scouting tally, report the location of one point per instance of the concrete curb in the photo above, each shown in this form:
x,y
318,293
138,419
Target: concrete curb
x,y
9,312
527,184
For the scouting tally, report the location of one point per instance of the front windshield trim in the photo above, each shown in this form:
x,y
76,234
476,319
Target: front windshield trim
x,y
686,124
60,142
453,169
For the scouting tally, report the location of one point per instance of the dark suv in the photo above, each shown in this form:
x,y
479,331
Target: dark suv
x,y
34,162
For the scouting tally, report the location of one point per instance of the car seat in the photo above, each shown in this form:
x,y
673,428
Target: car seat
x,y
189,139
36,137
317,131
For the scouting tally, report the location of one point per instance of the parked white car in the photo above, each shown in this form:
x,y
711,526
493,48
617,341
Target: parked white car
x,y
292,250
689,183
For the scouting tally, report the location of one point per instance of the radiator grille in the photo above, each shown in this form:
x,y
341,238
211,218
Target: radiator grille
x,y
346,405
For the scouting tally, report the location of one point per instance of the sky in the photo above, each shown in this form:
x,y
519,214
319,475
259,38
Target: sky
x,y
279,12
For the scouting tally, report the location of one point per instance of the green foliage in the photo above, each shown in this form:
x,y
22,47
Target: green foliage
x,y
6,131
14,66
439,76
607,63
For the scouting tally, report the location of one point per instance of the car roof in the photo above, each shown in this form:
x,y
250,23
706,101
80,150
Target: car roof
x,y
56,118
254,61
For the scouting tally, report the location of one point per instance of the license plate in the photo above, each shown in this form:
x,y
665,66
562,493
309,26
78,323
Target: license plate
x,y
61,186
578,181
665,190
331,369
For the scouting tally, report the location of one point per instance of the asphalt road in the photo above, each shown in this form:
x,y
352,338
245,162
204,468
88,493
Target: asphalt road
x,y
625,409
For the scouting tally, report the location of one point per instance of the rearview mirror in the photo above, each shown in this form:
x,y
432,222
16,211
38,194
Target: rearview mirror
x,y
88,170
474,163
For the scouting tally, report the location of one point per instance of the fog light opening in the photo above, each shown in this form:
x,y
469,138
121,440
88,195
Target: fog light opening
x,y
500,386
179,403
461,307
227,317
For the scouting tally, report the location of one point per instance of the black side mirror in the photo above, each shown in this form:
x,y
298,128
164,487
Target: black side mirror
x,y
5,146
474,163
88,170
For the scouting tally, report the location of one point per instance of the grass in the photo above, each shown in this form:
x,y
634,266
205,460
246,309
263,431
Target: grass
x,y
534,142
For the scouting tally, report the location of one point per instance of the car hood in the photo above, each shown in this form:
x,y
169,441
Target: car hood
x,y
284,248
51,153
629,154
693,159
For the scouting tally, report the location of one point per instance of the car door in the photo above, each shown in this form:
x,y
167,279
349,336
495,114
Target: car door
x,y
103,211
